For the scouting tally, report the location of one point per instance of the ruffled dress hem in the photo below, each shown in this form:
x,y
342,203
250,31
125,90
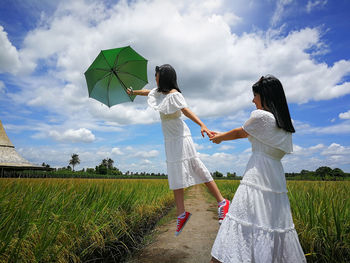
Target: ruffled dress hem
x,y
192,172
257,244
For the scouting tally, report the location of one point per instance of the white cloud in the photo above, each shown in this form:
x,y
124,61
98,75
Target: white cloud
x,y
202,79
117,151
305,128
280,9
316,147
145,162
147,154
298,150
311,5
312,157
199,146
226,147
336,149
2,87
123,113
9,59
225,162
129,148
345,115
79,135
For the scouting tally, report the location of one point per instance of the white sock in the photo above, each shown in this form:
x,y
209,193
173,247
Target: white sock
x,y
223,202
182,215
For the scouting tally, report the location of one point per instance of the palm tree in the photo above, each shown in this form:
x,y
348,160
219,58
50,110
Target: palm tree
x,y
75,160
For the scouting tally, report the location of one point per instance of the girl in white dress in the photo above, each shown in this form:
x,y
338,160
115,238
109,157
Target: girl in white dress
x,y
184,167
259,226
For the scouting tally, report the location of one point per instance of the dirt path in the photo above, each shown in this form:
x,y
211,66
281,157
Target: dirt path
x,y
194,244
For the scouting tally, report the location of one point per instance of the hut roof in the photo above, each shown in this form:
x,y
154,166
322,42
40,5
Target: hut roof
x,y
9,157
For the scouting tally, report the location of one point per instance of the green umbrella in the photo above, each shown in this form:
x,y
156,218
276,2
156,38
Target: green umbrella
x,y
112,72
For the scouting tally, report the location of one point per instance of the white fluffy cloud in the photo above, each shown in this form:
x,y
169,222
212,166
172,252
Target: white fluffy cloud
x,y
226,147
226,162
210,59
199,146
345,115
336,149
116,151
147,154
340,128
71,135
334,155
9,59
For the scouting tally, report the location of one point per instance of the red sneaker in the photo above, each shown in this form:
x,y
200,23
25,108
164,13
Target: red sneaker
x,y
222,210
181,222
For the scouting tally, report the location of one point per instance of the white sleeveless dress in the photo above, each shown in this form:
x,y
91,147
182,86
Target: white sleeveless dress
x,y
259,225
184,167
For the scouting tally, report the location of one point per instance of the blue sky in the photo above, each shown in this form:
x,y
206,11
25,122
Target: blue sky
x,y
218,48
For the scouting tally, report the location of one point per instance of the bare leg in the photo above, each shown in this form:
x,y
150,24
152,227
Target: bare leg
x,y
214,260
214,190
179,201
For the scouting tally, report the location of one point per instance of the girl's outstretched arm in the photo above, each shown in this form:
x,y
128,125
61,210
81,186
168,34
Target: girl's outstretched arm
x,y
142,92
234,134
189,114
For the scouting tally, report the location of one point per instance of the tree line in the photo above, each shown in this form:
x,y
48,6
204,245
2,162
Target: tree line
x,y
323,173
107,169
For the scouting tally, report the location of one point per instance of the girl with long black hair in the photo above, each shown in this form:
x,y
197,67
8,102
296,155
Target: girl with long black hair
x,y
259,226
184,167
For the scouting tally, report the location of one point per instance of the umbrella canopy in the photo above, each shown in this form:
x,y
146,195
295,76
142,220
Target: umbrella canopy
x,y
112,72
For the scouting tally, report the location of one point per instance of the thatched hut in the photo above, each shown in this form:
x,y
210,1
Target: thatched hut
x,y
10,160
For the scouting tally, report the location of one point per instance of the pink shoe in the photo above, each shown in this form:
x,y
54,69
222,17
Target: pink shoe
x,y
181,222
222,211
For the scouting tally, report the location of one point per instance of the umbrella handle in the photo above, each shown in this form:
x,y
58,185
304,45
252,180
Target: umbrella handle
x,y
131,90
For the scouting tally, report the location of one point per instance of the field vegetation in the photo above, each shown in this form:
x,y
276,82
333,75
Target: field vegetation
x,y
76,220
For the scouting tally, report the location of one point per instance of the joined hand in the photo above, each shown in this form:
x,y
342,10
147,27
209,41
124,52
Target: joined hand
x,y
216,138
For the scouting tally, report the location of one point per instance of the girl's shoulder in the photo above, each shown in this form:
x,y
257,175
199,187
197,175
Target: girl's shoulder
x,y
262,114
173,91
166,103
156,93
262,126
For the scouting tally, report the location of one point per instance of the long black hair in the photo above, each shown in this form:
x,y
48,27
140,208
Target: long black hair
x,y
274,100
167,78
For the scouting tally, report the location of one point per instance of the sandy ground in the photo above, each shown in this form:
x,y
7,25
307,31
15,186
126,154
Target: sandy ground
x,y
194,244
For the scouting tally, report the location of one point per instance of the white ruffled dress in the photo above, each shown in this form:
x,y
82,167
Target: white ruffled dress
x,y
184,167
259,225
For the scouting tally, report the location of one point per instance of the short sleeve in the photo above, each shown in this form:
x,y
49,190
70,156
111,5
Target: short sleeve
x,y
176,102
262,126
166,104
256,124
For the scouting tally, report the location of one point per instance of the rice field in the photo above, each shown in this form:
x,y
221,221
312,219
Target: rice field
x,y
75,220
78,220
321,214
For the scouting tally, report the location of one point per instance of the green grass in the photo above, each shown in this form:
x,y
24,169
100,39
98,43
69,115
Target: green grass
x,y
321,214
62,220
